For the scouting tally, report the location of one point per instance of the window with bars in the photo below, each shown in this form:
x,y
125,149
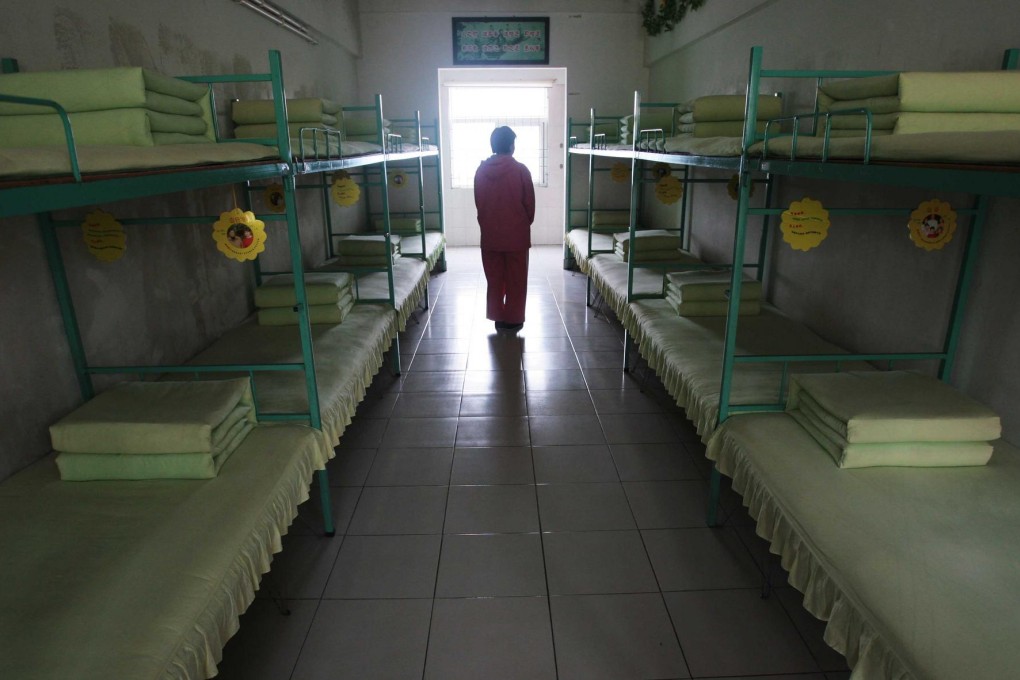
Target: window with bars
x,y
475,111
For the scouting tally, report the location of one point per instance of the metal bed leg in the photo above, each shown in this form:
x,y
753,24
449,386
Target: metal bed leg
x,y
714,488
327,505
276,593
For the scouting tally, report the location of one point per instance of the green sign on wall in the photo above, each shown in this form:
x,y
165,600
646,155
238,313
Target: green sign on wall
x,y
498,41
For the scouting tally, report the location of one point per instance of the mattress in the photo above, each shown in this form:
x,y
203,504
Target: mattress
x,y
347,357
686,353
143,579
410,281
915,570
609,274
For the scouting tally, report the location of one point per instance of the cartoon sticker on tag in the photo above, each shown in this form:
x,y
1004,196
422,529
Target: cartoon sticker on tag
x,y
669,190
932,225
805,224
104,236
398,179
345,191
275,199
239,235
733,188
620,172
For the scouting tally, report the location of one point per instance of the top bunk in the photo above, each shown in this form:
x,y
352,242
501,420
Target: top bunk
x,y
944,131
81,137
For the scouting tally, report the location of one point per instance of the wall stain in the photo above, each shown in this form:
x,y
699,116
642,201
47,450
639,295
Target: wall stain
x,y
129,47
72,34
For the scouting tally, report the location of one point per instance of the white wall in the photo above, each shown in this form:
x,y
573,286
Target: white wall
x,y
599,42
172,293
867,286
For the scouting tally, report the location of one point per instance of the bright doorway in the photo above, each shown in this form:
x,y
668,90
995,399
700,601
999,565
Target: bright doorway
x,y
474,101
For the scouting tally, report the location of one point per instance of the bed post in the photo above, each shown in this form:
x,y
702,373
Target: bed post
x,y
737,273
63,289
635,187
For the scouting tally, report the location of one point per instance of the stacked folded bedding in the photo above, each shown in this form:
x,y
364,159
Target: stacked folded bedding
x,y
405,226
986,101
364,129
313,124
722,115
125,106
367,251
330,297
707,293
653,118
610,220
922,102
877,94
155,430
652,245
892,418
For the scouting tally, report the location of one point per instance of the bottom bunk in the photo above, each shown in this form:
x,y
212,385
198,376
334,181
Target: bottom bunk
x,y
914,569
435,246
143,579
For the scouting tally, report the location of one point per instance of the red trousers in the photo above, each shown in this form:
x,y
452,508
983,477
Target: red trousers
x,y
507,275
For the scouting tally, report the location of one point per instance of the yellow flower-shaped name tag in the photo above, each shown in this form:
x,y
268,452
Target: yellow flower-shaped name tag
x,y
932,225
805,224
345,191
104,236
669,190
239,235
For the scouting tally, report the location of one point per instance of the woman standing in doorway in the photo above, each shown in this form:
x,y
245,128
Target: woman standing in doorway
x,y
505,200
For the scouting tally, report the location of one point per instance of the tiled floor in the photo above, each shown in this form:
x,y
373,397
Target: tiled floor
x,y
519,507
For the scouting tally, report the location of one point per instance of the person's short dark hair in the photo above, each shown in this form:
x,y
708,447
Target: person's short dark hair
x,y
502,139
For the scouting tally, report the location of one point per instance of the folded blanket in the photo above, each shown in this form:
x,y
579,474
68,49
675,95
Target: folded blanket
x,y
729,107
87,467
892,406
733,128
648,240
881,121
876,105
327,313
709,286
655,118
978,92
652,256
862,88
158,417
163,138
400,225
604,220
897,454
269,129
258,111
129,126
368,245
361,260
363,126
709,308
82,90
320,289
852,133
911,122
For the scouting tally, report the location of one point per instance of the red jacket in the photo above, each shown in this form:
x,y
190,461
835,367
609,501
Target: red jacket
x,y
505,199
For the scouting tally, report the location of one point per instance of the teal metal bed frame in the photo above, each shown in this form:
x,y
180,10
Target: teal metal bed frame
x,y
982,182
25,197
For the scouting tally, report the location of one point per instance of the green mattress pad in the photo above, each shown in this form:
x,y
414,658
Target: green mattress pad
x,y
260,111
320,289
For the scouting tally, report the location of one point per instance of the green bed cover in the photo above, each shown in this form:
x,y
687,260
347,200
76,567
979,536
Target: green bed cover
x,y
143,579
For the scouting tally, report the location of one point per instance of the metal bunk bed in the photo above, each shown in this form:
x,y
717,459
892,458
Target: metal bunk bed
x,y
644,153
175,615
879,553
